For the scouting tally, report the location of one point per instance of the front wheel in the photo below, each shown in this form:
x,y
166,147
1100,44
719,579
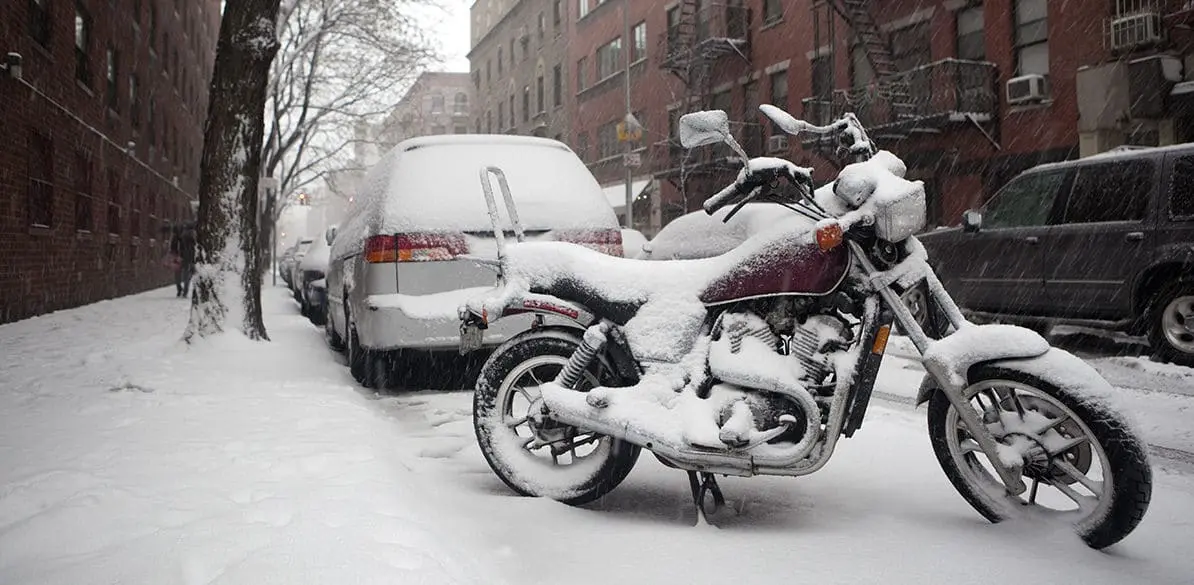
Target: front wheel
x,y
1080,460
537,456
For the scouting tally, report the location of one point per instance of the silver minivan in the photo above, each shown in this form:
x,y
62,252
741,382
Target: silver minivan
x,y
398,270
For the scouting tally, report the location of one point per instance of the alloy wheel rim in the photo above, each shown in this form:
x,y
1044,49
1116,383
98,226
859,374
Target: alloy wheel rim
x,y
1067,471
1177,323
540,437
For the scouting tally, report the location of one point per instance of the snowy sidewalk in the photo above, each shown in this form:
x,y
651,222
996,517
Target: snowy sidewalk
x,y
126,457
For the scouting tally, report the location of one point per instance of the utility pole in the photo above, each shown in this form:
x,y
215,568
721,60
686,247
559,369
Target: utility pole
x,y
632,129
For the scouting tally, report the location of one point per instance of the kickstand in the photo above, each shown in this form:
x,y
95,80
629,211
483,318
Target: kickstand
x,y
706,485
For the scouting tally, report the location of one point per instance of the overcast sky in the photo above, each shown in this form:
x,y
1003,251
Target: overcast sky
x,y
452,29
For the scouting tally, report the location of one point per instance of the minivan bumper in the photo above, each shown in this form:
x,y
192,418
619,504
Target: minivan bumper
x,y
398,321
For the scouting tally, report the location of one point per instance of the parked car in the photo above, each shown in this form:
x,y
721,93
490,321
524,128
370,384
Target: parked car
x,y
1105,241
398,270
290,259
293,278
312,268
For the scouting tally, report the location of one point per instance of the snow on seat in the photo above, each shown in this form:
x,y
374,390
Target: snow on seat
x,y
663,303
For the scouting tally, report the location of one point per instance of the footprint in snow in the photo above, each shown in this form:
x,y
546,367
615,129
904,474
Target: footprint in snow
x,y
130,387
441,451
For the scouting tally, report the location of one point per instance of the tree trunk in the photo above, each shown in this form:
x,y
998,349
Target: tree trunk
x,y
228,284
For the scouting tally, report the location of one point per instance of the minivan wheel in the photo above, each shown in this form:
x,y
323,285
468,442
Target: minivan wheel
x,y
329,331
369,368
1171,334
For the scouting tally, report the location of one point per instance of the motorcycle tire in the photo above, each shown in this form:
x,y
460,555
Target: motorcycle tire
x,y
528,473
1124,499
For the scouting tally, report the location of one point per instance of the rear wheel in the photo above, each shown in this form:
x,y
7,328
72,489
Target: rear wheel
x,y
1081,462
368,367
1171,333
537,456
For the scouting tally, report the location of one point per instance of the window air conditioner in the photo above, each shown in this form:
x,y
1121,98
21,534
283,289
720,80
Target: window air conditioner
x,y
1129,32
1026,89
777,142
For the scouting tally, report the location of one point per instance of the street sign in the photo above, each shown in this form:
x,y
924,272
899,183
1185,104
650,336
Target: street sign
x,y
630,129
632,160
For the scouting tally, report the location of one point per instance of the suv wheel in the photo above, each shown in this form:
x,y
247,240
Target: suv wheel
x,y
1171,331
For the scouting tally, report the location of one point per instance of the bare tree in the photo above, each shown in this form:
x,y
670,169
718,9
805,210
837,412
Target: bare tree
x,y
339,62
229,170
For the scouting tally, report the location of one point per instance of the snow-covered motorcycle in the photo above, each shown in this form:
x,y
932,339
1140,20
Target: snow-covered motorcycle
x,y
755,362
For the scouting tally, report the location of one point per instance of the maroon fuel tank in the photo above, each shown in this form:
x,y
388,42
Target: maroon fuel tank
x,y
780,270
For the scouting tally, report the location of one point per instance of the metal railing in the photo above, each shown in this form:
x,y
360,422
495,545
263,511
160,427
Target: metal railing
x,y
713,22
920,95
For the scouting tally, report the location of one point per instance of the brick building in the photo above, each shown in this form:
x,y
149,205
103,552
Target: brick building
x,y
968,92
101,135
437,103
519,67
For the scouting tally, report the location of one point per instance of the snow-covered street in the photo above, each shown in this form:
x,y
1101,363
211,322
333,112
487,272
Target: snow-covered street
x,y
126,457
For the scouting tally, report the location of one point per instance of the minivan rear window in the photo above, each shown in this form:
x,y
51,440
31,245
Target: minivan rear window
x,y
1181,188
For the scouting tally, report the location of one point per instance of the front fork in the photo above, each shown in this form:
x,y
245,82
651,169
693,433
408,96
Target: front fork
x,y
954,392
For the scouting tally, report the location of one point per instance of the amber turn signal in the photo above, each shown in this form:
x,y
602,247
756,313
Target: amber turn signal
x,y
881,337
829,236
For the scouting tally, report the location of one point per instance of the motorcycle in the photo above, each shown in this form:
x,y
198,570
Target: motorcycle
x,y
757,361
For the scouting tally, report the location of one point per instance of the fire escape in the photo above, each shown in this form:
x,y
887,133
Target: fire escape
x,y
896,102
703,41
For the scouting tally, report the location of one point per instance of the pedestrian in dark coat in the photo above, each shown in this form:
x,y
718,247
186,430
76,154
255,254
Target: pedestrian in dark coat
x,y
182,247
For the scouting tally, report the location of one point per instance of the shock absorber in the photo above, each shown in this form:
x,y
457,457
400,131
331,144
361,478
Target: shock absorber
x,y
582,358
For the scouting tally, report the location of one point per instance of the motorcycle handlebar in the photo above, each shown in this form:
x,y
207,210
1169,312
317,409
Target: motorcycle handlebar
x,y
726,196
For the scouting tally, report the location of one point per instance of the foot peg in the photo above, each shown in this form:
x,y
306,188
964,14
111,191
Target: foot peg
x,y
704,488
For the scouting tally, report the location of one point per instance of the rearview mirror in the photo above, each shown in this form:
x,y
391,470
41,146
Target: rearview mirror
x,y
971,220
701,128
784,120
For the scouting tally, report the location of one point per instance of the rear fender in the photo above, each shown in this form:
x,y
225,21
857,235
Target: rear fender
x,y
955,354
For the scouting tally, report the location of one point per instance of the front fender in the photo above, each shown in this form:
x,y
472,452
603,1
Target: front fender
x,y
955,354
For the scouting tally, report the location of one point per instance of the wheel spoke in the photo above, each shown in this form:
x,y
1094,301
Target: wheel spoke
x,y
1084,502
1066,446
517,422
1016,403
971,447
1096,487
1036,484
1052,424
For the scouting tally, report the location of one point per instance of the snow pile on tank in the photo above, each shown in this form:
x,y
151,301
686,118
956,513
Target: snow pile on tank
x,y
433,184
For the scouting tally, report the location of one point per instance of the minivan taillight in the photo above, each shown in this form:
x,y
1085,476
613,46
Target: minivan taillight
x,y
604,241
414,248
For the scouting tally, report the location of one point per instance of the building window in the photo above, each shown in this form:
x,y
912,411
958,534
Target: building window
x,y
460,105
779,89
460,129
1032,37
773,11
582,144
557,12
477,125
512,122
638,52
542,25
134,102
609,57
82,45
40,166
501,117
153,25
557,86
822,70
607,140
971,41
526,103
499,61
477,80
113,88
82,180
135,212
489,120
582,9
542,105
113,202
513,59
438,129
582,65
489,73
437,103
39,21
911,46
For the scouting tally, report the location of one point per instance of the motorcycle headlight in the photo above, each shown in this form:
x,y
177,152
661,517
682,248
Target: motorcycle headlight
x,y
900,215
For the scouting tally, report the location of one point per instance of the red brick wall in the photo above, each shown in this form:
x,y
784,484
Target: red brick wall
x,y
965,163
48,268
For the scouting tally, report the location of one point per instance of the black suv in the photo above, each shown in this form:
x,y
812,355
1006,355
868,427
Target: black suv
x,y
1105,241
